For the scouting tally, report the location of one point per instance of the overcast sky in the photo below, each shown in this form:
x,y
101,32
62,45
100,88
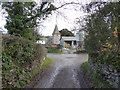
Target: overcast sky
x,y
64,19
2,20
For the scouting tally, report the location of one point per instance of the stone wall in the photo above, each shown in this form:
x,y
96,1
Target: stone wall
x,y
108,72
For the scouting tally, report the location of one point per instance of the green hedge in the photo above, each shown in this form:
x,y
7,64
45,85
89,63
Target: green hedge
x,y
54,50
19,56
96,80
106,59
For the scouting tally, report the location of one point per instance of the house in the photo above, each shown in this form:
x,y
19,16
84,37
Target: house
x,y
80,37
76,41
40,42
43,40
68,42
49,40
63,41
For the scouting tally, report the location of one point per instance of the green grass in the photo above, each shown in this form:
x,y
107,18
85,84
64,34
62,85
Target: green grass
x,y
64,50
46,62
85,66
26,79
96,79
80,51
54,51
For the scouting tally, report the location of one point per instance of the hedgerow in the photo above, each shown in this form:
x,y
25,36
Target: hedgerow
x,y
19,56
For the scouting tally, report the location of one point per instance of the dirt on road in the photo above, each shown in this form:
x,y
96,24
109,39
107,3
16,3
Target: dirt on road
x,y
64,72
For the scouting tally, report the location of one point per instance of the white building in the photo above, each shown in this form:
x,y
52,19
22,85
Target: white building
x,y
80,37
68,41
41,42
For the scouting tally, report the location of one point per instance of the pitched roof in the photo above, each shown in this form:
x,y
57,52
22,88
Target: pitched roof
x,y
56,31
68,38
54,46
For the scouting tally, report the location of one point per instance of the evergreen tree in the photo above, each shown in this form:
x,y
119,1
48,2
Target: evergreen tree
x,y
102,25
66,32
23,16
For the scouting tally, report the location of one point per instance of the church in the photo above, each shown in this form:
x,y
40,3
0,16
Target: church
x,y
76,41
56,36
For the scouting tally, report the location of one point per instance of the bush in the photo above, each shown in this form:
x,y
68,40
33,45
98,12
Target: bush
x,y
19,56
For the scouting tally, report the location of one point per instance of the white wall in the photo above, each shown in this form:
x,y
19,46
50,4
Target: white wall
x,y
41,42
80,36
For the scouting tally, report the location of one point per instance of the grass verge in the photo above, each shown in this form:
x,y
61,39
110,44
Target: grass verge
x,y
80,51
54,51
26,79
96,80
46,62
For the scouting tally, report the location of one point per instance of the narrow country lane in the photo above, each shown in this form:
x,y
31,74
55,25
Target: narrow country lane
x,y
63,73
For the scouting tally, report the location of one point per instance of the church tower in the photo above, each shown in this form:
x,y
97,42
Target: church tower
x,y
56,35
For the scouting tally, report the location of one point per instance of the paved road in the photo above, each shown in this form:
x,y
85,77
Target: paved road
x,y
63,73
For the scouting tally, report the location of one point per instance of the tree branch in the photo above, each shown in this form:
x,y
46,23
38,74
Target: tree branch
x,y
68,4
47,10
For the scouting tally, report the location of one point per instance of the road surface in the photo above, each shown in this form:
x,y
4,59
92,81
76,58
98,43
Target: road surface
x,y
63,72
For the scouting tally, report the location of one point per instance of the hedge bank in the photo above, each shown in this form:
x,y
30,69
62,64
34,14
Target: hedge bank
x,y
19,57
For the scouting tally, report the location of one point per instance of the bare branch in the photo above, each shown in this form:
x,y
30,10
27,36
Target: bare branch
x,y
68,4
